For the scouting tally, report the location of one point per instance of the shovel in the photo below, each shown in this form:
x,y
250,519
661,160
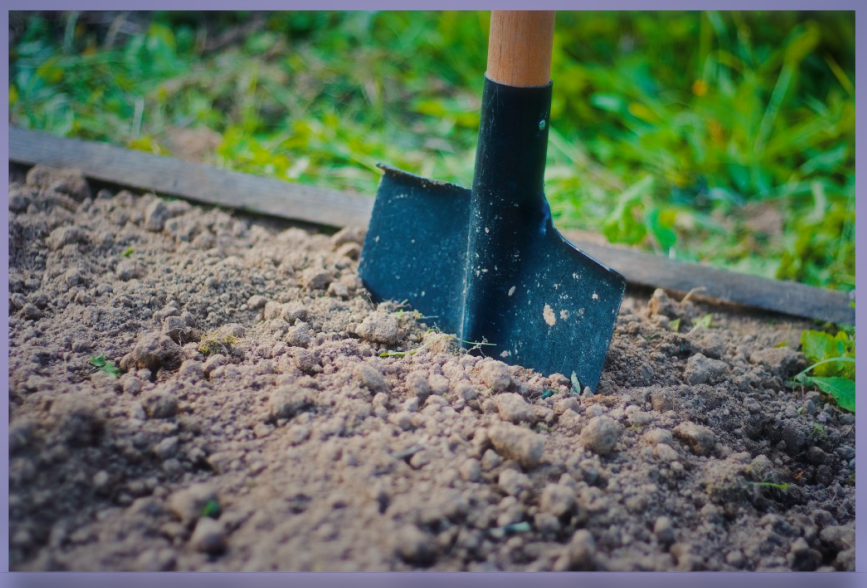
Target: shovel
x,y
487,264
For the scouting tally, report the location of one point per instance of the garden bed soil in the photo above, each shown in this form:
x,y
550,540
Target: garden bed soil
x,y
255,425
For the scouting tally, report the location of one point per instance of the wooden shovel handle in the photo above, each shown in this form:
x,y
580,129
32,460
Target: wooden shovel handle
x,y
519,48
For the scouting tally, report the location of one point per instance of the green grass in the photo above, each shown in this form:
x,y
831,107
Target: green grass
x,y
721,137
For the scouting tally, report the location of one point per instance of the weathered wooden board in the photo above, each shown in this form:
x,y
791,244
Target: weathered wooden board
x,y
785,297
190,180
173,177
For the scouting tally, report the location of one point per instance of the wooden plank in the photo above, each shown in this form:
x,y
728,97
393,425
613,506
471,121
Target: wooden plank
x,y
194,181
208,185
774,295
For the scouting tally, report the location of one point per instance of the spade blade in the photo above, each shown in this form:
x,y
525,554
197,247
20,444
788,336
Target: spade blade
x,y
552,309
416,245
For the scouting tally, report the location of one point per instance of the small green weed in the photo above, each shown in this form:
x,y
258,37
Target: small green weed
x,y
128,251
108,367
211,509
706,321
832,362
818,432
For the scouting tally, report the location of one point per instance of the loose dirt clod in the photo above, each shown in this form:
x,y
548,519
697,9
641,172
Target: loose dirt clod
x,y
415,546
379,327
495,375
514,409
268,416
700,439
781,361
153,350
581,553
209,536
701,369
557,499
517,443
371,378
160,404
600,435
287,401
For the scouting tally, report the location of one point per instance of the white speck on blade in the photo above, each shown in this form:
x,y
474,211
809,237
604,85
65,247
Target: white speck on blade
x,y
564,314
595,296
511,290
548,314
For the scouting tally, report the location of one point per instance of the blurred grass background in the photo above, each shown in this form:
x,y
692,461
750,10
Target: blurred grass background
x,y
726,138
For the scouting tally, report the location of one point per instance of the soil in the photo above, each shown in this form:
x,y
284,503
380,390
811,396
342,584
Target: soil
x,y
265,415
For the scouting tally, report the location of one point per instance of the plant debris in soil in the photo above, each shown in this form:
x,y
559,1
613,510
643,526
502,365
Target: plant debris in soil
x,y
263,414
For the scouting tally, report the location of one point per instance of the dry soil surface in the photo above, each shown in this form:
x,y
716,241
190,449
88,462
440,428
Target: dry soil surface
x,y
267,416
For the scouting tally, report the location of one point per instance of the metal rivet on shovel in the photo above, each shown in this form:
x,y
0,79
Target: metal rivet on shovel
x,y
487,264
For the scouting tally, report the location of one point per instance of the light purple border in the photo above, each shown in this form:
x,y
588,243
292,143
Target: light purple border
x,y
504,580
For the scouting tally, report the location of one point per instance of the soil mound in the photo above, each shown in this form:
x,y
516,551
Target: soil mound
x,y
196,390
